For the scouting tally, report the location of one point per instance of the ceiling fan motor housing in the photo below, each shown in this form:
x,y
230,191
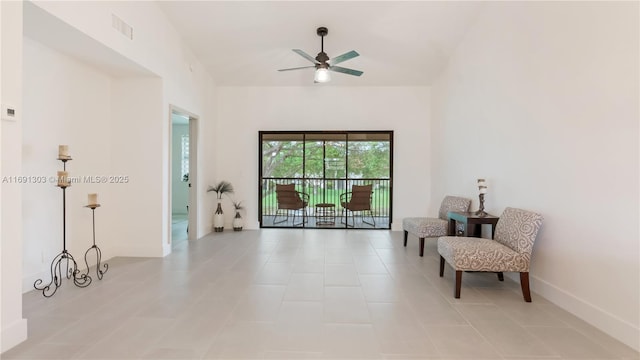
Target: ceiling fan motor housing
x,y
322,57
322,31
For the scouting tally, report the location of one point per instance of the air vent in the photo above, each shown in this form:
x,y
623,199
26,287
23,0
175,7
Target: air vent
x,y
124,28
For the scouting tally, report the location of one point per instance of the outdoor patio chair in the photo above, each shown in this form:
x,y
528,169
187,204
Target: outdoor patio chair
x,y
357,200
290,200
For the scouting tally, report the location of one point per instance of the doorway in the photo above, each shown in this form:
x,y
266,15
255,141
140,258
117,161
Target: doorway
x,y
183,176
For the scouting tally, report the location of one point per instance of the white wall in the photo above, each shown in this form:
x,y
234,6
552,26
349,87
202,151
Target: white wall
x,y
179,188
65,102
158,47
542,100
133,115
243,111
137,151
13,328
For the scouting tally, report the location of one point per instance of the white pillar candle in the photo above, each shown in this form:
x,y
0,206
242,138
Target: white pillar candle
x,y
63,151
63,178
93,199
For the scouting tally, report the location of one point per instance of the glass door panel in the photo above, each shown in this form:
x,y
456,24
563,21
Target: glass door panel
x,y
325,166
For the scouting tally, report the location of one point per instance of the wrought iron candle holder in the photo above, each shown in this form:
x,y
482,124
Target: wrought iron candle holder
x,y
100,271
64,260
482,189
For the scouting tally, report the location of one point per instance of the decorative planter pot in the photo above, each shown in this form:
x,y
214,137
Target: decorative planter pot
x,y
218,219
237,221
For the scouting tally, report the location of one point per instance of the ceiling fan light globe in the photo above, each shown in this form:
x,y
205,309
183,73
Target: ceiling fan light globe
x,y
322,75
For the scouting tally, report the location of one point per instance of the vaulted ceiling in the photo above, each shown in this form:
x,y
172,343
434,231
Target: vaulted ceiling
x,y
244,43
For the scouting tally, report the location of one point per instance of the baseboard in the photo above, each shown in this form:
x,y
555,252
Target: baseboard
x,y
615,327
13,335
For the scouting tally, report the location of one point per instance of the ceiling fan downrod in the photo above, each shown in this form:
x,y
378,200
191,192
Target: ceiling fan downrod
x,y
322,56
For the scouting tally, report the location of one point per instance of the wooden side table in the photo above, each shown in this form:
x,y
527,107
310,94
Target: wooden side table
x,y
471,222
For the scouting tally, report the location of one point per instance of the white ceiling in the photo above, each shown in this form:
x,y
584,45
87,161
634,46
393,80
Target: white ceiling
x,y
244,43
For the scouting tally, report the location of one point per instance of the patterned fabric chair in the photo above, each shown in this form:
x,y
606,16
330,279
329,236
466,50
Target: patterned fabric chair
x,y
510,251
424,227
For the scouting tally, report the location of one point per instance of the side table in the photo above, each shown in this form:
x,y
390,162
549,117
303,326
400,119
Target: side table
x,y
325,214
471,222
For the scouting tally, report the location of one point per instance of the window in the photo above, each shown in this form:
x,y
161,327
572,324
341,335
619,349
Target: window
x,y
325,165
185,158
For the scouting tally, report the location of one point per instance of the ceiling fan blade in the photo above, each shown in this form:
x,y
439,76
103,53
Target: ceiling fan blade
x,y
340,69
297,68
305,55
344,57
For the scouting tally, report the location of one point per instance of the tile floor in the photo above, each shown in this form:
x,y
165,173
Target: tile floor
x,y
301,294
179,232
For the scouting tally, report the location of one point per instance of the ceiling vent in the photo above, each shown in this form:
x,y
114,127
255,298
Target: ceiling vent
x,y
124,28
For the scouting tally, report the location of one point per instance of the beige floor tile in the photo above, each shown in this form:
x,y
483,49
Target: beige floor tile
x,y
260,303
297,336
309,265
341,275
339,255
369,264
242,339
349,341
301,312
345,305
45,351
392,256
203,302
379,288
481,313
461,342
293,355
274,274
531,314
130,340
513,340
570,344
305,287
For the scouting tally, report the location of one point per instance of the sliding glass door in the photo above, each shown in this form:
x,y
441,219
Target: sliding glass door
x,y
340,179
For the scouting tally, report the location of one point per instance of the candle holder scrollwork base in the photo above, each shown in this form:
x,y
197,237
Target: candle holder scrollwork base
x,y
79,279
100,269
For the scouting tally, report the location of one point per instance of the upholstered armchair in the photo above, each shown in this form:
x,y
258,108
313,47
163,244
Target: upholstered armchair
x,y
510,251
424,227
290,200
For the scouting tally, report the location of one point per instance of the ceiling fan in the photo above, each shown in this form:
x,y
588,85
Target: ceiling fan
x,y
323,64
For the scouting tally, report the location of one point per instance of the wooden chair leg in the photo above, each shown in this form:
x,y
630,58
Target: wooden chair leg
x,y
421,246
441,266
406,234
500,276
524,284
458,283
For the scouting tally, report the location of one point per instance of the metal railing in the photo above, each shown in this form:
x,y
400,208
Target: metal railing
x,y
328,191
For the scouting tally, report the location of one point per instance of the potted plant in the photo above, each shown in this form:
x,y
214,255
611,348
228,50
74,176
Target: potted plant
x,y
221,188
237,219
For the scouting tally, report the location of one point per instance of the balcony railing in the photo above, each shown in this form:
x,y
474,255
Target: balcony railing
x,y
328,191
